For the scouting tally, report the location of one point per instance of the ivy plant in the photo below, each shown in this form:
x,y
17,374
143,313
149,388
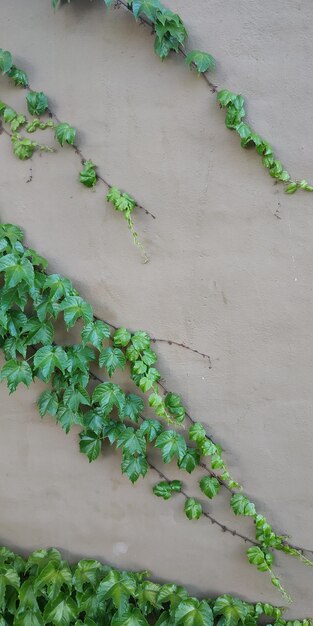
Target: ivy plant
x,y
31,302
45,589
125,204
235,114
171,36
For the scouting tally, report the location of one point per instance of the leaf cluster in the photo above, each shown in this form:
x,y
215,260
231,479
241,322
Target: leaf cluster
x,y
235,115
18,76
44,589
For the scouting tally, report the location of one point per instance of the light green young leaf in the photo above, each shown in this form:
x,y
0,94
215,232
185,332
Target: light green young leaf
x,y
202,60
121,337
88,175
210,486
65,133
19,77
193,509
242,506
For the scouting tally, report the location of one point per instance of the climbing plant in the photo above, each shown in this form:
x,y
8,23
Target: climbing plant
x,y
106,413
31,301
46,589
171,36
24,148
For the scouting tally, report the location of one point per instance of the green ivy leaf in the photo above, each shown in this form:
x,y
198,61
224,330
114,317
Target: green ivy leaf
x,y
165,489
151,429
242,506
108,395
87,571
95,333
48,403
118,587
263,561
192,612
132,441
48,358
202,60
19,77
190,460
68,417
148,7
74,308
132,408
64,133
193,509
141,340
38,332
171,444
88,175
232,609
210,486
5,61
121,337
16,372
197,433
133,617
112,358
75,396
23,148
134,467
27,617
37,103
61,611
90,444
16,270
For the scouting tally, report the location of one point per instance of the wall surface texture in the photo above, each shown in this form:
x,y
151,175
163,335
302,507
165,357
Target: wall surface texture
x,y
230,274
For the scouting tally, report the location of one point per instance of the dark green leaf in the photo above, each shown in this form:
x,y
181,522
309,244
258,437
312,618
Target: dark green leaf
x,y
90,444
37,103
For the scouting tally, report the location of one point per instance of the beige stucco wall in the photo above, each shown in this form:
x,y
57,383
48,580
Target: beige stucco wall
x,y
226,276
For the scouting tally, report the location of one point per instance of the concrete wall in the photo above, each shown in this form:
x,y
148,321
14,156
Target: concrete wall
x,y
230,274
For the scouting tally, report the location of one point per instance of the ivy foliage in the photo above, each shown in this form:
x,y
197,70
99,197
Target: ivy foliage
x,y
18,76
44,589
171,36
125,204
235,114
37,105
31,302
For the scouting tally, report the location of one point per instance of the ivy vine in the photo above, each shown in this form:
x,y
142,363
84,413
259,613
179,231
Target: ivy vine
x,y
107,413
46,589
31,300
171,36
24,148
